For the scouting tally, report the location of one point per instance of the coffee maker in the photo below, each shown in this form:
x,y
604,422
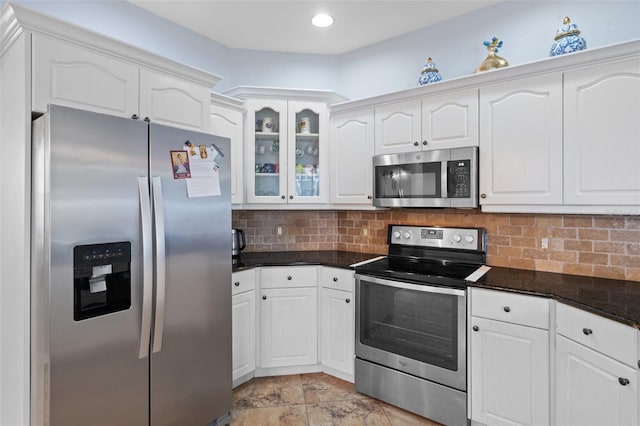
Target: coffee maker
x,y
238,241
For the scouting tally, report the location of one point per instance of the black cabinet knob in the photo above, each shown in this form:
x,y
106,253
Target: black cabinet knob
x,y
291,197
623,381
283,197
369,197
289,277
507,309
335,279
147,119
416,143
424,142
347,300
264,297
135,116
483,195
587,331
237,284
476,328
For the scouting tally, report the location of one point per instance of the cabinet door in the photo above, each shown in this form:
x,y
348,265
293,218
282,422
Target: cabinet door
x,y
168,100
351,152
73,76
288,327
450,121
521,141
266,151
602,134
398,128
509,374
308,152
593,389
244,333
337,334
229,124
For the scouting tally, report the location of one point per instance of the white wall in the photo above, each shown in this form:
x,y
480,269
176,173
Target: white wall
x,y
526,27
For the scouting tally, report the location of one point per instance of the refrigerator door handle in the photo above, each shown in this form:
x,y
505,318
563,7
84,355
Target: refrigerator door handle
x,y
158,215
147,266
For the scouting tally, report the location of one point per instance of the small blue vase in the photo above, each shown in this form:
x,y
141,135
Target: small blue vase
x,y
568,39
429,74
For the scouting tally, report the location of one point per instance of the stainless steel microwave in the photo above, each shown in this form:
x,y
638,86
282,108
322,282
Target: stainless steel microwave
x,y
438,178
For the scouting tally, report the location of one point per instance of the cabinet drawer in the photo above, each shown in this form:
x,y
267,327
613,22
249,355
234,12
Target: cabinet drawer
x,y
509,307
601,334
336,278
243,281
288,276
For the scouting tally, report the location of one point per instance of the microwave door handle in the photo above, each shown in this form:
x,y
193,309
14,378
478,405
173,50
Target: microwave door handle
x,y
444,192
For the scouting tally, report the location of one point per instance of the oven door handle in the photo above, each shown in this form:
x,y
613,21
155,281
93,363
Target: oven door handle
x,y
409,286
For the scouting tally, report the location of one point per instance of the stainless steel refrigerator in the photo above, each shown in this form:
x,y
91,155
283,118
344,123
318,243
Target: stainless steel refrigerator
x,y
130,294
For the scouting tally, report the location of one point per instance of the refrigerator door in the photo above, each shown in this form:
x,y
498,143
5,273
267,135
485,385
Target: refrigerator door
x,y
85,344
191,366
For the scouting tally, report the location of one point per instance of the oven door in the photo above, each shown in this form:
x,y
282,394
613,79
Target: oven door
x,y
417,329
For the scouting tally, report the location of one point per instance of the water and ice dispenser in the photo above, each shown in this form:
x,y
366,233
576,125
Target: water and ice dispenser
x,y
101,279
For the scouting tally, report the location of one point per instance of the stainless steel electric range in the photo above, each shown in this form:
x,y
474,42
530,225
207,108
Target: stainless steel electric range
x,y
411,320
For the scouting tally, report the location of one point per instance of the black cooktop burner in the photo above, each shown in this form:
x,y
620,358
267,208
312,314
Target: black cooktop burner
x,y
419,271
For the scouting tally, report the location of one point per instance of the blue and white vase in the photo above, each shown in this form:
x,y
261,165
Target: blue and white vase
x,y
429,74
568,39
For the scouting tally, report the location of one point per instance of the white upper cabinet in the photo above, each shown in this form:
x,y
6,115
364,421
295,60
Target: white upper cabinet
x,y
71,75
450,120
521,141
444,121
165,99
227,121
398,128
602,134
351,145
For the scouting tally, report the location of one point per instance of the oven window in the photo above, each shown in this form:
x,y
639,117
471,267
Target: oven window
x,y
414,324
415,180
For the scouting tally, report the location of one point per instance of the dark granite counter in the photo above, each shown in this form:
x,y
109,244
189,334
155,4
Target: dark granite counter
x,y
337,259
618,300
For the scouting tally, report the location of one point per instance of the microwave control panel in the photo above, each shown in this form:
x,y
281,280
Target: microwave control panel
x,y
459,174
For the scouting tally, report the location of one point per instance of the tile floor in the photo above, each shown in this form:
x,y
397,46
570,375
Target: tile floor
x,y
313,399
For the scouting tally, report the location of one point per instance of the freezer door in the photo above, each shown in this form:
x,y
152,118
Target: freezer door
x,y
85,344
191,365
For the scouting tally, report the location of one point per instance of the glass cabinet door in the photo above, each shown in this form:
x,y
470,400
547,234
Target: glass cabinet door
x,y
308,150
268,150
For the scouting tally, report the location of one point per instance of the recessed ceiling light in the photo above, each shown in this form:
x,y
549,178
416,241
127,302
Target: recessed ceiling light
x,y
322,20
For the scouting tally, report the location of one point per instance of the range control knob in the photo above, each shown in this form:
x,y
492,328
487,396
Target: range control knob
x,y
469,238
457,238
407,235
396,234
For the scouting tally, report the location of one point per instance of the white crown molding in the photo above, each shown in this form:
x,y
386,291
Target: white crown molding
x,y
244,92
15,18
227,101
474,81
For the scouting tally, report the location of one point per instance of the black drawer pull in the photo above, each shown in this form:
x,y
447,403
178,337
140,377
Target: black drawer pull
x,y
347,300
335,279
289,277
507,309
264,297
416,143
237,284
623,381
476,328
587,331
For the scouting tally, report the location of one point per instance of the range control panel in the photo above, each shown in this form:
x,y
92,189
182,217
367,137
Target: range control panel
x,y
457,238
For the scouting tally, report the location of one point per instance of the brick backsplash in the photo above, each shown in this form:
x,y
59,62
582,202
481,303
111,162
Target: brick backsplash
x,y
600,246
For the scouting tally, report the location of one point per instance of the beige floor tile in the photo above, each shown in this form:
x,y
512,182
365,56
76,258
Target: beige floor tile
x,y
286,415
400,417
320,387
353,412
269,392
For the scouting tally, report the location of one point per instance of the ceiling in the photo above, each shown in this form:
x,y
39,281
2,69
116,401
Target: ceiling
x,y
285,26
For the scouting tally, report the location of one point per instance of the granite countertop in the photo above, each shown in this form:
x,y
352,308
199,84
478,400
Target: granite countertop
x,y
618,300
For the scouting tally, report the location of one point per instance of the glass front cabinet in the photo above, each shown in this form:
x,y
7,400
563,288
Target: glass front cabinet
x,y
286,151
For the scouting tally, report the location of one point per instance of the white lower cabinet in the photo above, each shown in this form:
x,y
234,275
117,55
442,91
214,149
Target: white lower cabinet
x,y
596,370
509,359
243,302
288,327
337,322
